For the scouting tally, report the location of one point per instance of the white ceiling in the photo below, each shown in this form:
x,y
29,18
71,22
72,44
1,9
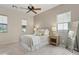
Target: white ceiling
x,y
43,7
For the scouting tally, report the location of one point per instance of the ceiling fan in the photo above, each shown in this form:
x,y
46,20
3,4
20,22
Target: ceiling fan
x,y
29,8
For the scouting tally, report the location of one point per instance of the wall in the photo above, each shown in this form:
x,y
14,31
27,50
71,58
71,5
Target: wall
x,y
30,23
14,25
47,19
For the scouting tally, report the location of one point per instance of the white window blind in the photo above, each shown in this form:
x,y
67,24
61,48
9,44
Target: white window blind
x,y
63,26
3,19
60,26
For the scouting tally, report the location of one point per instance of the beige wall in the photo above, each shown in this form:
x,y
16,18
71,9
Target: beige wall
x,y
14,25
47,19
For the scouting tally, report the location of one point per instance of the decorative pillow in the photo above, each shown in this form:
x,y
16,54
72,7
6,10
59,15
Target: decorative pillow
x,y
46,32
39,32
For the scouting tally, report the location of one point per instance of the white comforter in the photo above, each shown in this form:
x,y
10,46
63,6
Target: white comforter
x,y
32,42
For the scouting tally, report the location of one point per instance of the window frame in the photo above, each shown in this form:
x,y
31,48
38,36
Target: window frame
x,y
23,25
4,24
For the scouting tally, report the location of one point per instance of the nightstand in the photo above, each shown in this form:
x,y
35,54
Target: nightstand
x,y
54,40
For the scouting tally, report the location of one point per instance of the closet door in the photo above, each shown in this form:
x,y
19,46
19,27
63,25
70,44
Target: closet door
x,y
74,27
77,39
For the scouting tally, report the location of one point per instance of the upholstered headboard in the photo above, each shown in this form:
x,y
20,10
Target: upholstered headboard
x,y
41,32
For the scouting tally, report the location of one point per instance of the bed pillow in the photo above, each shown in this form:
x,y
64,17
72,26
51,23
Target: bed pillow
x,y
39,32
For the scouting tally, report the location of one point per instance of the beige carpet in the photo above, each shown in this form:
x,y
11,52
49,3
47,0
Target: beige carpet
x,y
50,50
16,49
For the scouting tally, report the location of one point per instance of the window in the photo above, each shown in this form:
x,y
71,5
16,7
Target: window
x,y
63,20
60,26
63,26
3,23
24,24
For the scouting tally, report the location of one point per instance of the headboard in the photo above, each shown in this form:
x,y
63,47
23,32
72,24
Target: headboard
x,y
41,32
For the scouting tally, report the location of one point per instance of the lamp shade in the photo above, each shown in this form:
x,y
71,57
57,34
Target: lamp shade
x,y
53,28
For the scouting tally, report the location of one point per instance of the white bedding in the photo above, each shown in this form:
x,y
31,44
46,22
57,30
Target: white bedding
x,y
32,42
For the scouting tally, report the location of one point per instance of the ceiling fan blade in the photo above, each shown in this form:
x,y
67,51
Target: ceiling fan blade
x,y
28,11
34,11
37,8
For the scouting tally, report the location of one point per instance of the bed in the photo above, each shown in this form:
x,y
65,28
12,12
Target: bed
x,y
33,42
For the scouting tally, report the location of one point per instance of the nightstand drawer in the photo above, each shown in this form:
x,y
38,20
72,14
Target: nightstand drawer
x,y
54,40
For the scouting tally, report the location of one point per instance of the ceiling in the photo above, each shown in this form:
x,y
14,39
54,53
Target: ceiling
x,y
43,7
